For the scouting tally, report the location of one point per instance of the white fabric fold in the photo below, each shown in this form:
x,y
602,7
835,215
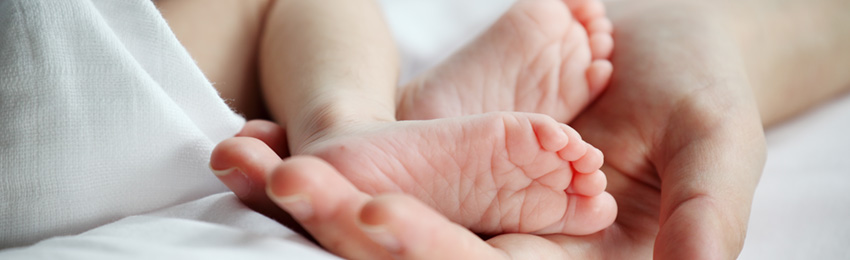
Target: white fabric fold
x,y
103,114
215,227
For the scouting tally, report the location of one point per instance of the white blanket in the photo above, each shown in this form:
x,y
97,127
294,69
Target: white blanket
x,y
102,115
105,116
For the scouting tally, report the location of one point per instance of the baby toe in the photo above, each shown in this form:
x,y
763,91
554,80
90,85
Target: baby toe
x,y
601,45
598,75
588,184
576,148
600,25
587,11
590,162
551,136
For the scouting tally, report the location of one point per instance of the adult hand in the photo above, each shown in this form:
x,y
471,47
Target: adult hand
x,y
681,133
684,151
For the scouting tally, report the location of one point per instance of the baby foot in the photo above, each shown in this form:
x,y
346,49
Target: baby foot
x,y
493,173
542,56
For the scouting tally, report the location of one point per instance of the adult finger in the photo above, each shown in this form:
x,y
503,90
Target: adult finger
x,y
325,204
242,163
269,133
355,225
411,230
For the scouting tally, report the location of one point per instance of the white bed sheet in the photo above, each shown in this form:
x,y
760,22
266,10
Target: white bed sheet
x,y
215,227
802,205
800,210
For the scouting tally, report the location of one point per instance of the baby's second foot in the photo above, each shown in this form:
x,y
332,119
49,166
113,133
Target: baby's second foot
x,y
493,173
542,56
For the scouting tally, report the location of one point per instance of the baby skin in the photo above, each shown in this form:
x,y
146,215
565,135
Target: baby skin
x,y
547,56
494,172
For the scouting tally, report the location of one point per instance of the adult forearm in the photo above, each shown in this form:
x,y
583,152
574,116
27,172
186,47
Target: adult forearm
x,y
795,51
320,60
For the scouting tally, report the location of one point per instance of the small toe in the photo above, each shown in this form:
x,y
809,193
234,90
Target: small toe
x,y
550,135
601,45
600,25
588,11
576,148
590,162
588,184
598,75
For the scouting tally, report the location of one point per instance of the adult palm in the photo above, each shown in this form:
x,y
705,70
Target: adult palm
x,y
682,136
680,126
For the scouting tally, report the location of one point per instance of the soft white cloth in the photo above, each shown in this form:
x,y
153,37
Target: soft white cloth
x,y
802,205
102,115
215,227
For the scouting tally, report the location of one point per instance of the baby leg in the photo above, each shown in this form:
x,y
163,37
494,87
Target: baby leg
x,y
223,36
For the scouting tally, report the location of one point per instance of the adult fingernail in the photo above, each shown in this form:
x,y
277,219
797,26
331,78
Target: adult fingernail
x,y
235,180
297,205
381,235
